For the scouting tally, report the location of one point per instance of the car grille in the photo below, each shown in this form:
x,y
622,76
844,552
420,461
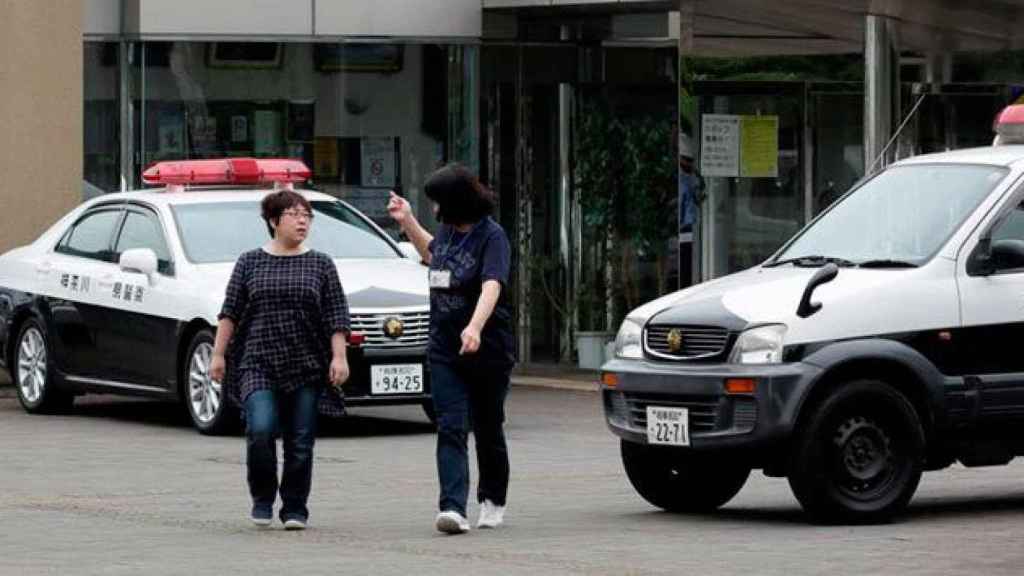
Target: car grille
x,y
696,341
415,329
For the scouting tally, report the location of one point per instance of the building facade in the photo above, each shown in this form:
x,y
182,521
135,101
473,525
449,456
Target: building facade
x,y
574,111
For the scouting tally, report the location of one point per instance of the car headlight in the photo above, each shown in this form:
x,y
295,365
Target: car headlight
x,y
627,342
761,345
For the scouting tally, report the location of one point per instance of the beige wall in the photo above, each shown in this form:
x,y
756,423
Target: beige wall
x,y
40,115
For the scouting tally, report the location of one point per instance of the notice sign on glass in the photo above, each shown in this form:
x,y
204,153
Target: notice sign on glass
x,y
378,162
720,145
759,147
744,146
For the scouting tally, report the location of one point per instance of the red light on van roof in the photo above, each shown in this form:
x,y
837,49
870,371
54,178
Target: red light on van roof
x,y
1009,125
227,171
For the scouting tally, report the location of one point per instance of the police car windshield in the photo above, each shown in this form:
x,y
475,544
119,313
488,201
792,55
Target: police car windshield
x,y
903,215
220,232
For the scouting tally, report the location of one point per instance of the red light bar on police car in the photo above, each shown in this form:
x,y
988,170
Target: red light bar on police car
x,y
227,171
1009,125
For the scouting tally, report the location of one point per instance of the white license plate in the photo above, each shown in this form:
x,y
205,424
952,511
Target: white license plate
x,y
396,379
668,426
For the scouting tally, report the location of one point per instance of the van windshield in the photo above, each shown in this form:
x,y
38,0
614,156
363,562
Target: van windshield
x,y
902,216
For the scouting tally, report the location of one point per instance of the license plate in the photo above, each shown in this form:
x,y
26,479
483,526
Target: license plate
x,y
396,379
668,426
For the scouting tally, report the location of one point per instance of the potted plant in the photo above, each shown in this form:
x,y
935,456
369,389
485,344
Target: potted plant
x,y
625,176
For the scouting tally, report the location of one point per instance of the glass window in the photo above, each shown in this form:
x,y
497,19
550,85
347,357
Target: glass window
x,y
143,230
90,237
102,125
1012,227
367,118
336,230
905,213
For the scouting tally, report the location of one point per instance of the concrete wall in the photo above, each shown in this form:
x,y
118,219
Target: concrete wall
x,y
423,18
41,115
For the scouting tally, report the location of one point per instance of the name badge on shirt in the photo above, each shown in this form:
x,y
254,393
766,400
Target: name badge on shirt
x,y
440,279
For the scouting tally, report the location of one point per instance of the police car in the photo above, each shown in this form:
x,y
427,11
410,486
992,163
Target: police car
x,y
881,341
121,295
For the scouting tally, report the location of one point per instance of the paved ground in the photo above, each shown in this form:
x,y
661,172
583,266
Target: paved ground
x,y
124,487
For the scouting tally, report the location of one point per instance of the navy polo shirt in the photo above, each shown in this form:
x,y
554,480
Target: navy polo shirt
x,y
472,258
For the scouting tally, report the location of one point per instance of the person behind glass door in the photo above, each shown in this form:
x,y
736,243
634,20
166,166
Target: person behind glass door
x,y
470,350
691,194
286,319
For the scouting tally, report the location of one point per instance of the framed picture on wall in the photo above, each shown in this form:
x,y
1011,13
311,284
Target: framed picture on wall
x,y
244,54
380,58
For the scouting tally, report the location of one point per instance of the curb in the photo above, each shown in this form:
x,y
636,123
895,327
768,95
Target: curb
x,y
555,383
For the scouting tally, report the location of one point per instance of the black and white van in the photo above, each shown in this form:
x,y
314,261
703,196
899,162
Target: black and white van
x,y
881,341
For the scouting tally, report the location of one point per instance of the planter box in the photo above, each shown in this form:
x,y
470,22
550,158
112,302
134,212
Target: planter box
x,y
591,348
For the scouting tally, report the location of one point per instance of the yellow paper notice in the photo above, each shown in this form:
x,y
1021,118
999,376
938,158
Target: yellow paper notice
x,y
759,147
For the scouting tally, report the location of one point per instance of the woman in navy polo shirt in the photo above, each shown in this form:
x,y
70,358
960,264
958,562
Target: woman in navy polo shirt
x,y
471,349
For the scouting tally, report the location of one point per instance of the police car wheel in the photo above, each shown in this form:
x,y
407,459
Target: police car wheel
x,y
204,398
859,458
33,376
679,481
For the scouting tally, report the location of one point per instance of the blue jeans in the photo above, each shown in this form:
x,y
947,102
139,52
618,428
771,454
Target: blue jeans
x,y
293,415
470,396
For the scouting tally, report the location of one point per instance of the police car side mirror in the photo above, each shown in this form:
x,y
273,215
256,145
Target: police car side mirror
x,y
409,251
140,260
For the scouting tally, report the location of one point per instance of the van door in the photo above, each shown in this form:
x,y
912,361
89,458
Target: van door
x,y
992,308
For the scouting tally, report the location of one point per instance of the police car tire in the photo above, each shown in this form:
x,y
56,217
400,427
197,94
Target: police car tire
x,y
680,481
859,458
52,400
227,417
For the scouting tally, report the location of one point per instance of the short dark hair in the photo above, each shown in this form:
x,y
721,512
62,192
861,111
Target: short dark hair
x,y
460,197
277,202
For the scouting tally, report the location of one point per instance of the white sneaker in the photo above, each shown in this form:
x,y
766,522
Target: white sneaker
x,y
451,522
491,515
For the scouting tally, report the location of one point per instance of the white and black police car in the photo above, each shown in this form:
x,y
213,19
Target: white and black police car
x,y
883,340
121,295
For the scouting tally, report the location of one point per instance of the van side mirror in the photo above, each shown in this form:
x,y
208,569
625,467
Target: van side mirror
x,y
824,275
1007,254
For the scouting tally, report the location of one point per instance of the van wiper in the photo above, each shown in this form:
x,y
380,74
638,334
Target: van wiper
x,y
887,263
812,261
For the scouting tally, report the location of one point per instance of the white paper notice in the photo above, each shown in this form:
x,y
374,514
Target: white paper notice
x,y
720,145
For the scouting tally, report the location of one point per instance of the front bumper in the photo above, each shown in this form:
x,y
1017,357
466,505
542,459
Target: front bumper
x,y
761,420
358,389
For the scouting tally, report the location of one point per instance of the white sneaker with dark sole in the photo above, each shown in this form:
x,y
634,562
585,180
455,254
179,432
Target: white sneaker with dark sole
x,y
294,524
451,522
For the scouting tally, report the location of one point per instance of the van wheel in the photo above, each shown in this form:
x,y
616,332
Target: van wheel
x,y
204,399
859,458
33,373
680,481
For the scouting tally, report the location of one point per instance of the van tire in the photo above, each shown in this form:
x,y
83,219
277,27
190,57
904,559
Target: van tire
x,y
858,459
681,481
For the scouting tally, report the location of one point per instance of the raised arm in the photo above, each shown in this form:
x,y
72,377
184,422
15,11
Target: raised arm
x,y
401,212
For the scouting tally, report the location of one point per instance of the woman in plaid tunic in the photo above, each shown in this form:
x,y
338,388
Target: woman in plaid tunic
x,y
286,319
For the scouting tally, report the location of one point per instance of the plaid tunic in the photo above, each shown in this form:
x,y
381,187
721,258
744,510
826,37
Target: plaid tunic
x,y
285,309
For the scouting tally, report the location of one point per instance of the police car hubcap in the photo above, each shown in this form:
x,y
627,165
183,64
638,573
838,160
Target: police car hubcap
x,y
203,393
32,365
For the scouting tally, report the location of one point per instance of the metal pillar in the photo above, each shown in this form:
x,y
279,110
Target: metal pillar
x,y
524,215
881,88
565,207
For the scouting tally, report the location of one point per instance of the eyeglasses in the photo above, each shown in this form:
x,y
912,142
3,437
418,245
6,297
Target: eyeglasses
x,y
298,214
